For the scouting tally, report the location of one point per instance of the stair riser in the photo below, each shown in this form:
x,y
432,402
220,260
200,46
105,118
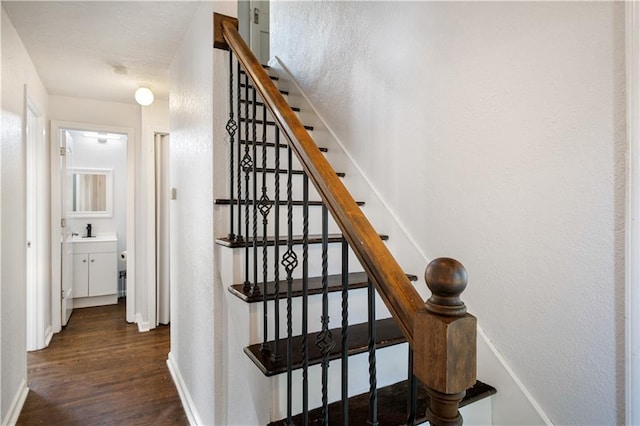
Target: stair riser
x,y
357,313
296,187
315,221
233,271
391,365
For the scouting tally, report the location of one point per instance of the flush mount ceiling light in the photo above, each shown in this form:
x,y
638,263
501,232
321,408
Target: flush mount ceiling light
x,y
144,96
100,135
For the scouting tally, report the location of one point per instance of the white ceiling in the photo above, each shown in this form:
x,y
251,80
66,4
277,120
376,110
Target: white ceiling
x,y
76,45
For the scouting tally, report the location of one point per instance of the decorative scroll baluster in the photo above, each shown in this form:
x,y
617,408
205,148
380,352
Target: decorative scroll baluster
x,y
239,167
290,262
345,336
412,391
264,205
247,166
231,127
324,339
373,383
305,299
276,249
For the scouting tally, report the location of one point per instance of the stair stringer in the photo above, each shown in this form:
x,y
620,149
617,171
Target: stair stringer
x,y
513,404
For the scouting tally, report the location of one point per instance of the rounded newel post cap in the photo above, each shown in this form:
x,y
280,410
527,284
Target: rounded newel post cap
x,y
447,279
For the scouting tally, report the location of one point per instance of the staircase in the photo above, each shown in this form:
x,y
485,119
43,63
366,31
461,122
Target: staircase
x,y
286,257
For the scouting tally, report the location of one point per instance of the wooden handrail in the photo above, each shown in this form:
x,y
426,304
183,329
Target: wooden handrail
x,y
440,331
390,280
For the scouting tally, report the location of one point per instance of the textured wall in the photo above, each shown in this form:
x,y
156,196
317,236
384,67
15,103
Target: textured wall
x,y
496,133
17,70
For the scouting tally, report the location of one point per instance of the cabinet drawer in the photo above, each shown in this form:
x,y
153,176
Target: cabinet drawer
x,y
95,247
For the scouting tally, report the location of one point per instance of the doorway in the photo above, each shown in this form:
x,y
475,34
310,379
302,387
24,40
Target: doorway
x,y
92,217
253,25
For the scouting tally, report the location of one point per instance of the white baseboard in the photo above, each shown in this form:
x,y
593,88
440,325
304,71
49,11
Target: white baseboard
x,y
185,397
142,325
16,405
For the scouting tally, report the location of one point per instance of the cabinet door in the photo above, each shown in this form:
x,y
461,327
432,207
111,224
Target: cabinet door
x,y
80,275
102,274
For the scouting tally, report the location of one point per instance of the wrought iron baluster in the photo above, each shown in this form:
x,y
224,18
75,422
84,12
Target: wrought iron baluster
x,y
324,339
412,394
373,384
231,127
305,299
264,206
290,262
247,166
239,167
255,288
345,335
276,249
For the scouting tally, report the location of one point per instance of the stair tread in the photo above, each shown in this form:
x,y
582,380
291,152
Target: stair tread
x,y
387,334
270,123
392,405
295,109
272,145
283,203
272,77
355,279
295,172
297,240
284,92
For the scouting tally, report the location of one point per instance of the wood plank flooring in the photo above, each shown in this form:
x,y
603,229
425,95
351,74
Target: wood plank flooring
x,y
102,371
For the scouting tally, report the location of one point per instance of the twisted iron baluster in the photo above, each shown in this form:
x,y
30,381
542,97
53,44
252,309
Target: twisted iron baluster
x,y
239,168
290,262
276,250
247,166
345,335
412,393
324,339
305,299
373,385
255,289
231,127
264,206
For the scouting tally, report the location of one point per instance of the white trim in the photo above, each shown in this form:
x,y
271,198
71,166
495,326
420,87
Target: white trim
x,y
632,239
143,326
16,405
278,66
56,288
48,335
185,397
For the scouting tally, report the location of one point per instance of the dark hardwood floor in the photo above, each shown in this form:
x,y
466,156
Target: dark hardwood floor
x,y
102,371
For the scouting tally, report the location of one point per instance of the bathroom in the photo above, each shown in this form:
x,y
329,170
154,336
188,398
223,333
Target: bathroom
x,y
96,164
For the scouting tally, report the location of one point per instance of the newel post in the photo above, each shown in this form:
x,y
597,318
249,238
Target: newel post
x,y
445,342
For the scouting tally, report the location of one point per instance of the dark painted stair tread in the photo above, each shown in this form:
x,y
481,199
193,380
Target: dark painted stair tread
x,y
387,334
295,172
260,104
283,203
270,123
356,280
392,406
297,240
284,92
282,145
272,77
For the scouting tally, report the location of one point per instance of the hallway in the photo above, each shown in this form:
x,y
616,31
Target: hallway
x,y
101,370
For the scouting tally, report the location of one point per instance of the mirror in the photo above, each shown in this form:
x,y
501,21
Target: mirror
x,y
91,193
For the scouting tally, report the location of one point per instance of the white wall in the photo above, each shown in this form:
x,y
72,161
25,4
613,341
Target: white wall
x,y
88,153
197,117
495,131
17,70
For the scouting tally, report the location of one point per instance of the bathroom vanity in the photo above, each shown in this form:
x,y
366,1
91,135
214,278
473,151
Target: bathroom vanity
x,y
94,270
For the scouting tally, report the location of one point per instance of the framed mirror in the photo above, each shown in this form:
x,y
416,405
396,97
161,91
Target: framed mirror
x,y
91,193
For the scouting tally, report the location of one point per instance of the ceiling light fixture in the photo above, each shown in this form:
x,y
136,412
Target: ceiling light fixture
x,y
100,135
144,96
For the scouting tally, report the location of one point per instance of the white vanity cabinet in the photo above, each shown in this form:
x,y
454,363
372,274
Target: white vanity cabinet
x,y
95,271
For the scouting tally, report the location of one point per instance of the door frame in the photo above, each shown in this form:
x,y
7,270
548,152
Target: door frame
x,y
56,285
632,222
